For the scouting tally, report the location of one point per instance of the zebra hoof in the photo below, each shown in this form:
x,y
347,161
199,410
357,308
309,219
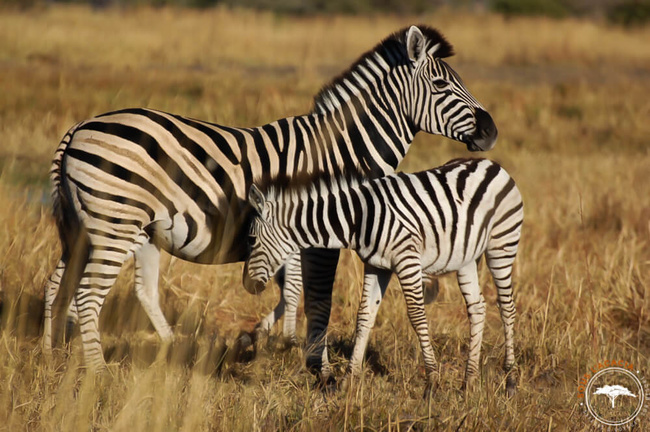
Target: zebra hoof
x,y
246,340
245,349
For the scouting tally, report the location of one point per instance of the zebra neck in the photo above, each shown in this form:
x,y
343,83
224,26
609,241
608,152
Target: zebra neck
x,y
365,133
319,221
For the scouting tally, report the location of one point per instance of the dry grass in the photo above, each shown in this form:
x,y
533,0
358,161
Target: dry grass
x,y
570,100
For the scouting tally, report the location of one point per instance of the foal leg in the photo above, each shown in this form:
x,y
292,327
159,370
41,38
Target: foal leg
x,y
290,291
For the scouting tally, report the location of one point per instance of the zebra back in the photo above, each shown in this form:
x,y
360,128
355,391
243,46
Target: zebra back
x,y
447,214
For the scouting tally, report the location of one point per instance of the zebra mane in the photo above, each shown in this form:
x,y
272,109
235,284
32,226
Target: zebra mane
x,y
311,184
391,52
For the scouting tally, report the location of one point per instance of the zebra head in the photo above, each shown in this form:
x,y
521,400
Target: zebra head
x,y
269,245
440,103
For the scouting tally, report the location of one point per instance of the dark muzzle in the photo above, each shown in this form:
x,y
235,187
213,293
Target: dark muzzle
x,y
486,132
251,285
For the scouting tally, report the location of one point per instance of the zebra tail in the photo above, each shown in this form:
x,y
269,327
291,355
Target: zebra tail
x,y
67,220
75,242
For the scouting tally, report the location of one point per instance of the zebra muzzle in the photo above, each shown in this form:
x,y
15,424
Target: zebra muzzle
x,y
253,286
486,132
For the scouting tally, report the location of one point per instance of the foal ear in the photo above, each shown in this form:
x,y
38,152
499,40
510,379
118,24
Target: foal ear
x,y
256,199
415,44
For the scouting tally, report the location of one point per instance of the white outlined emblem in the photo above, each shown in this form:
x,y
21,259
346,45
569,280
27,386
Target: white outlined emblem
x,y
615,395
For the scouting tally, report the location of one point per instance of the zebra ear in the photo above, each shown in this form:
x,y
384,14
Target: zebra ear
x,y
415,44
256,199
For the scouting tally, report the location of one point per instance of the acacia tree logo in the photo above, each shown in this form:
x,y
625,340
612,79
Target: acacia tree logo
x,y
612,380
614,391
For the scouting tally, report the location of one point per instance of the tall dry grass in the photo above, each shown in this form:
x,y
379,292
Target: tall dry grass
x,y
570,100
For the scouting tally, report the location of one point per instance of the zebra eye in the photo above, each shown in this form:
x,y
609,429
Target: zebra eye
x,y
252,239
440,84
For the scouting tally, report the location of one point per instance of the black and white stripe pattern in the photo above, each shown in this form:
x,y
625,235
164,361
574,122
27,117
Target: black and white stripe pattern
x,y
132,182
431,222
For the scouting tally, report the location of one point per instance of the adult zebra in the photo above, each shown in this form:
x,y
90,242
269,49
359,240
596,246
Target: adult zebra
x,y
132,182
434,222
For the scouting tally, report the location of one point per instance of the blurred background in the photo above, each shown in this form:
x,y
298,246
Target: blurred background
x,y
625,12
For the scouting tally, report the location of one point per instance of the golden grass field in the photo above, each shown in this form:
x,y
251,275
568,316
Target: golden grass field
x,y
571,102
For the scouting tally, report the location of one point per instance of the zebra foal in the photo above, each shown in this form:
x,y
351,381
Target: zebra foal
x,y
431,222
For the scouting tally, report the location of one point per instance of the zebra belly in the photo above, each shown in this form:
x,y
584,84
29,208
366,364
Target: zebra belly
x,y
213,241
442,259
172,235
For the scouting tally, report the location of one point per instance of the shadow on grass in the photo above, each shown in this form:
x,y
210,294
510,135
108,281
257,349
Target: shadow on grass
x,y
343,348
127,336
129,339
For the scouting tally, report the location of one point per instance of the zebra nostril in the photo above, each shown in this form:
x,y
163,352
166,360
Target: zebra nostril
x,y
485,127
253,286
485,134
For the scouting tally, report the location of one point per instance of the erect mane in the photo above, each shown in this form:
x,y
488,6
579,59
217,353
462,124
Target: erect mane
x,y
312,184
392,51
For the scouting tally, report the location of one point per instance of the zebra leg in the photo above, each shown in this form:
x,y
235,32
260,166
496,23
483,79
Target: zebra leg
x,y
468,282
500,264
291,292
290,282
99,275
71,320
374,286
50,291
147,266
409,273
318,271
267,323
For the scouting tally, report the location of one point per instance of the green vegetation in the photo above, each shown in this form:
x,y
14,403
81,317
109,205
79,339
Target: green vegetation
x,y
630,13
